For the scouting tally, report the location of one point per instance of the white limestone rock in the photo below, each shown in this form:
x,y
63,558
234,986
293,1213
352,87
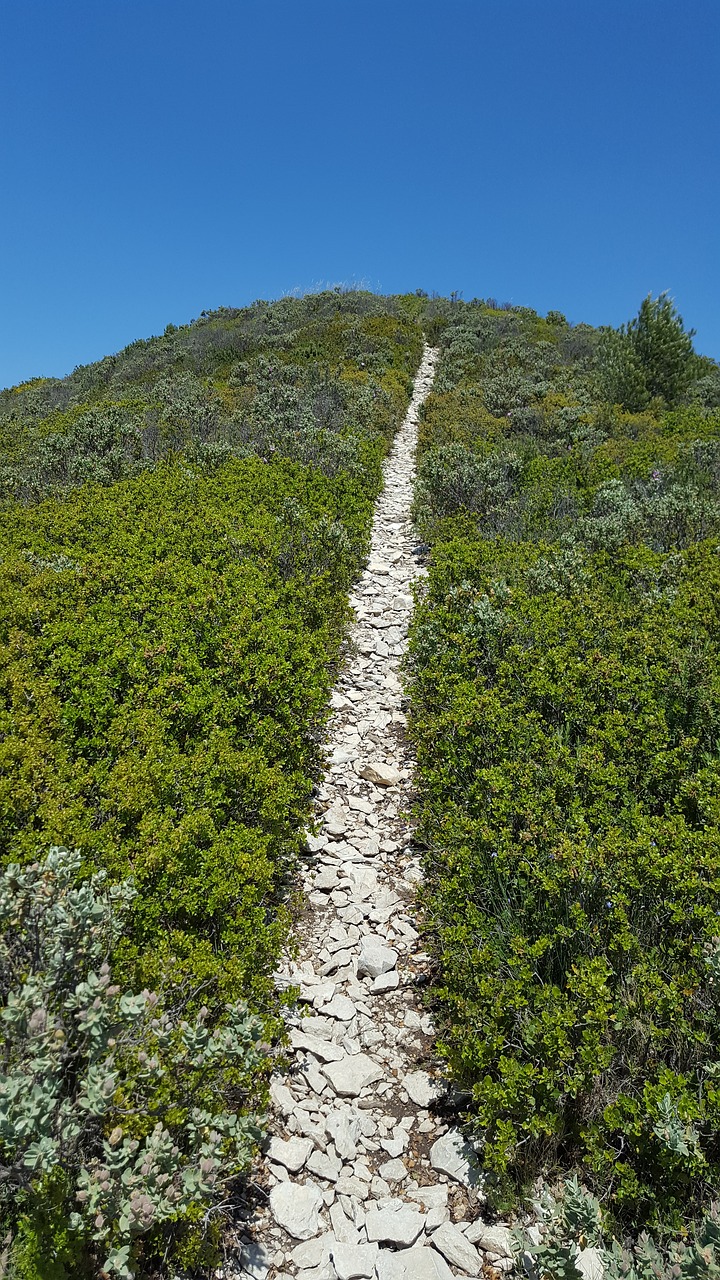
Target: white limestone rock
x,y
420,1088
344,1132
340,960
324,1165
354,1262
254,1261
382,775
394,1226
419,1263
325,1271
345,1230
435,1219
452,1155
375,958
496,1239
341,1008
282,1099
393,1171
322,1049
385,982
292,1155
335,827
457,1249
434,1197
353,1188
351,1074
296,1208
326,879
311,1253
364,880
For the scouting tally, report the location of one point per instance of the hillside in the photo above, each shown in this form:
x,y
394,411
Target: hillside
x,y
184,529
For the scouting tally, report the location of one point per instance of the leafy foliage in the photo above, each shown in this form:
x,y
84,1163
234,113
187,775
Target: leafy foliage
x,y
180,526
307,379
575,1236
566,713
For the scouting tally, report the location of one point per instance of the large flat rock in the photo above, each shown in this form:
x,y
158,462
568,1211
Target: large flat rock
x,y
352,1074
419,1263
394,1226
296,1208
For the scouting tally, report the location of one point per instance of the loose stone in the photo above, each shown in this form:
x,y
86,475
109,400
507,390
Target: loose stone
x,y
420,1088
385,982
344,1229
312,1253
375,959
394,1226
383,775
393,1171
292,1154
452,1155
344,1133
457,1249
352,1262
296,1208
340,1007
349,1076
254,1261
412,1264
496,1239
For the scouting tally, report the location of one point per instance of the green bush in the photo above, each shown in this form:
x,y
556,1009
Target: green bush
x,y
180,526
566,716
319,380
565,680
166,647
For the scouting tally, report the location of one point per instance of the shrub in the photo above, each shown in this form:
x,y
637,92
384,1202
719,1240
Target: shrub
x,y
111,1108
564,846
575,1235
180,526
565,683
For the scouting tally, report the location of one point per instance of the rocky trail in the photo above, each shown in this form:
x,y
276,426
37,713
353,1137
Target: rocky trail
x,y
363,1177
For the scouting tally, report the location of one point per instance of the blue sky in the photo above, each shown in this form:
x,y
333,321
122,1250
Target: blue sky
x,y
161,157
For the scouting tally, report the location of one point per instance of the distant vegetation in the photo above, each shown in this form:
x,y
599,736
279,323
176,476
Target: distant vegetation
x,y
566,711
180,526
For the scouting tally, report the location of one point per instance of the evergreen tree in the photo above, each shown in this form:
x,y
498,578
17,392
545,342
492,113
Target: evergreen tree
x,y
651,356
662,347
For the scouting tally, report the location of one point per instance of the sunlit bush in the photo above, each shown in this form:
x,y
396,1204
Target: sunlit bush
x,y
111,1108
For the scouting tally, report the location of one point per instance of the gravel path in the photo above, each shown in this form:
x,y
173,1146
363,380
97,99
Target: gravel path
x,y
364,1178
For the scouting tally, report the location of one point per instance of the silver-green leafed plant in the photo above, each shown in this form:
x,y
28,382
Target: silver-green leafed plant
x,y
101,1091
573,1241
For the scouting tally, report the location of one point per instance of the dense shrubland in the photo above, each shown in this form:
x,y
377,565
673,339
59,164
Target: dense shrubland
x,y
566,713
180,526
308,378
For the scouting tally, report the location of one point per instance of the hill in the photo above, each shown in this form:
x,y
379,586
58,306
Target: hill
x,y
181,527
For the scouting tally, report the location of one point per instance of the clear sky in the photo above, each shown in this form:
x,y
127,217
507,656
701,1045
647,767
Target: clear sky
x,y
161,157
